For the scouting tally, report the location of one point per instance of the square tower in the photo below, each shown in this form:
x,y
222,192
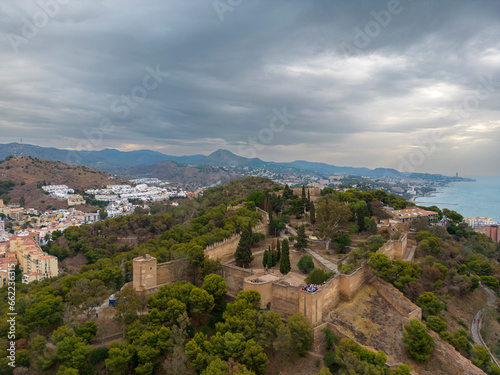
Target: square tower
x,y
144,272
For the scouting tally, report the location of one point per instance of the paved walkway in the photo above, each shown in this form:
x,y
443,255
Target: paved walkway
x,y
291,230
331,266
478,322
411,254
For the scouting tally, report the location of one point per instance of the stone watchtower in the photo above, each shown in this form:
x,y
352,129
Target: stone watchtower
x,y
145,272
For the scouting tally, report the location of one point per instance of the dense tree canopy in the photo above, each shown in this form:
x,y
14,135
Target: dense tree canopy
x,y
331,216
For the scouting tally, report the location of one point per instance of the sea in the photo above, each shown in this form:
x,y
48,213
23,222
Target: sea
x,y
470,199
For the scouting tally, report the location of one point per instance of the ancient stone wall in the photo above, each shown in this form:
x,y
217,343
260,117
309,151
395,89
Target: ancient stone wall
x,y
176,270
147,274
234,277
398,301
349,285
313,192
285,300
448,352
144,272
224,250
316,306
265,289
395,249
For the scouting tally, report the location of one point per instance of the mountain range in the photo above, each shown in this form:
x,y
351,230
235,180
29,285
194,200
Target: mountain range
x,y
118,162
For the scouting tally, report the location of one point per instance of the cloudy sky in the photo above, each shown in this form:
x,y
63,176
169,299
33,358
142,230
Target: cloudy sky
x,y
412,85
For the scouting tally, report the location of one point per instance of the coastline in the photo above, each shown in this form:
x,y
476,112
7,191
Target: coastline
x,y
479,197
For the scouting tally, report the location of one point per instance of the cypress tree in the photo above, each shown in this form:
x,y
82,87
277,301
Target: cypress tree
x,y
285,258
269,258
308,202
360,216
243,254
313,213
266,203
271,224
303,194
264,259
274,256
278,249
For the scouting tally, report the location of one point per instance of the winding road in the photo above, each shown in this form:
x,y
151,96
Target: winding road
x,y
478,322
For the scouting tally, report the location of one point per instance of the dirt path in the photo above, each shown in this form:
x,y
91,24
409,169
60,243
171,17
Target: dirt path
x,y
331,266
478,322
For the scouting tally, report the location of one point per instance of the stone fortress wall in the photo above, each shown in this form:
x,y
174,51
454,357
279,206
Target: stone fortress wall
x,y
286,299
276,294
150,275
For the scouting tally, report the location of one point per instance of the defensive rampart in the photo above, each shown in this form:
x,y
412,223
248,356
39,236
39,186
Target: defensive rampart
x,y
149,276
395,249
447,351
398,301
276,294
224,250
234,277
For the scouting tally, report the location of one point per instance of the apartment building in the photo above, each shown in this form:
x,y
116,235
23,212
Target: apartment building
x,y
493,232
35,263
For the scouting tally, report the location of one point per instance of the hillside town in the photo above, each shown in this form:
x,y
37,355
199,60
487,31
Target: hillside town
x,y
23,231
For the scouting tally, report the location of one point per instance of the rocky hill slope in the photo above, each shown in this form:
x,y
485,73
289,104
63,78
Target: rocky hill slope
x,y
30,174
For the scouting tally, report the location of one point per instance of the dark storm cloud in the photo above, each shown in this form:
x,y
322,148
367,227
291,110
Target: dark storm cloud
x,y
368,81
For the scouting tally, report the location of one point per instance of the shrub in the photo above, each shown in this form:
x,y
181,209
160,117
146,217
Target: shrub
x,y
306,264
318,276
490,281
257,237
430,304
98,355
330,338
347,269
459,340
330,360
436,323
417,341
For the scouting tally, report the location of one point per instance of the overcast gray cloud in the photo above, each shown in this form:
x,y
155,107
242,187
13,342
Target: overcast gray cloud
x,y
371,83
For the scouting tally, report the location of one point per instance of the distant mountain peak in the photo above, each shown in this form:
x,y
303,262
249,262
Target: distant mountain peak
x,y
223,151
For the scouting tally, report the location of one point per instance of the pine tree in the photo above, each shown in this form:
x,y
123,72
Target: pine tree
x,y
285,258
269,258
301,243
287,193
243,253
313,213
278,249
